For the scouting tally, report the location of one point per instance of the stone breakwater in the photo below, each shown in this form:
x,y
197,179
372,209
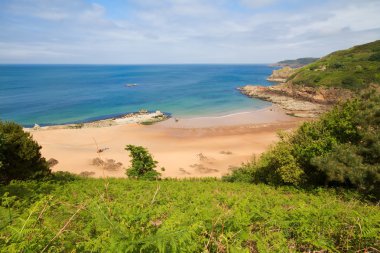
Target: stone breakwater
x,y
141,117
305,102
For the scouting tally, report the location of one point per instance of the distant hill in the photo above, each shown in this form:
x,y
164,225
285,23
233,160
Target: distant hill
x,y
353,68
296,63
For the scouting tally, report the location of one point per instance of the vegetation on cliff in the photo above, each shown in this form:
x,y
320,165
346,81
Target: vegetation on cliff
x,y
314,88
342,148
354,68
300,62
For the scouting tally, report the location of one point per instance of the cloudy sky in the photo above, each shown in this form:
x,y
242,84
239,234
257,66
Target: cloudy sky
x,y
181,31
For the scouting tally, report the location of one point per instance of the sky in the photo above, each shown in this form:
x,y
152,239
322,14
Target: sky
x,y
181,31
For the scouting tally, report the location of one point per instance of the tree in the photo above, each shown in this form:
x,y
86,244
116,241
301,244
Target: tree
x,y
20,156
143,164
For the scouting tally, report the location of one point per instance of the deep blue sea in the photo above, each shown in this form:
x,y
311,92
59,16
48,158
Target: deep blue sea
x,y
56,94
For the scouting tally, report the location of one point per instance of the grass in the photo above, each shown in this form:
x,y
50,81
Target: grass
x,y
120,215
354,68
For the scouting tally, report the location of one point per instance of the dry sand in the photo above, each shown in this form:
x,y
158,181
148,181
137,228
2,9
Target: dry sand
x,y
198,147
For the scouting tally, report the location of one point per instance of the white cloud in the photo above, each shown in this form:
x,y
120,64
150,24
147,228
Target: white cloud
x,y
170,31
354,17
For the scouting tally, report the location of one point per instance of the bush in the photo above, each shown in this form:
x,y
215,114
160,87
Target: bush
x,y
342,148
336,65
142,164
20,156
279,166
374,57
343,165
246,173
351,82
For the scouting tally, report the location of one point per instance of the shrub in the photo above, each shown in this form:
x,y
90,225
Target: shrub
x,y
342,148
374,57
351,82
246,173
343,165
358,69
62,177
142,164
20,156
313,67
279,166
317,79
336,65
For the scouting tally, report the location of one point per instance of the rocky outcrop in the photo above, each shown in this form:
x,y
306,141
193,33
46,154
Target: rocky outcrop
x,y
281,75
142,117
298,101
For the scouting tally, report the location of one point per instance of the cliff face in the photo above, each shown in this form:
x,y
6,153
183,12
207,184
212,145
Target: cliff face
x,y
312,89
299,101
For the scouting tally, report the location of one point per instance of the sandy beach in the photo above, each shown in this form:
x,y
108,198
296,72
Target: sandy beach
x,y
193,147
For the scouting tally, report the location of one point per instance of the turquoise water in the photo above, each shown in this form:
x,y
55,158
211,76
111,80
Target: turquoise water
x,y
56,94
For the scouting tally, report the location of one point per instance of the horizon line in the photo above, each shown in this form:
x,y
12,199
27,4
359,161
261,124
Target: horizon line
x,y
126,64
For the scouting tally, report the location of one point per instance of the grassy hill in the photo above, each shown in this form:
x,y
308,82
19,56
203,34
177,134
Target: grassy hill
x,y
121,215
296,63
353,68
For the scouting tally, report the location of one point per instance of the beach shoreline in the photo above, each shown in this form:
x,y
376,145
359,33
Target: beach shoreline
x,y
195,147
140,117
269,114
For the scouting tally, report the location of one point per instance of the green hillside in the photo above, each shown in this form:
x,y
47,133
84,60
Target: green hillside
x,y
121,215
353,68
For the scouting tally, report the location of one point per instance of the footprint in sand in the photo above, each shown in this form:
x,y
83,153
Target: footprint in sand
x,y
205,159
225,152
108,164
203,169
183,171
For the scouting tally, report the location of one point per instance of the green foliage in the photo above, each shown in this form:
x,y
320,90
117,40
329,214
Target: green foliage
x,y
279,166
121,215
374,57
344,165
143,164
342,148
351,81
20,156
336,65
354,68
245,174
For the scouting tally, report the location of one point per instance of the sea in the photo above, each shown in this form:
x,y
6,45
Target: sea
x,y
59,94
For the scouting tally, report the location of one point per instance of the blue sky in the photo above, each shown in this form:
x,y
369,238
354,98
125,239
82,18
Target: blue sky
x,y
181,31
